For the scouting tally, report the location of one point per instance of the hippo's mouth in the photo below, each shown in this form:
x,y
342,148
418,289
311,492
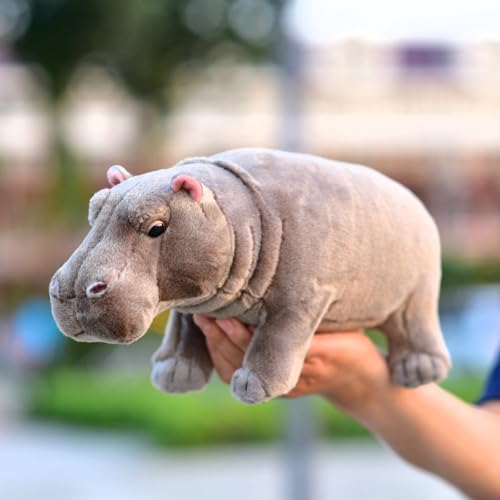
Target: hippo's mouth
x,y
84,336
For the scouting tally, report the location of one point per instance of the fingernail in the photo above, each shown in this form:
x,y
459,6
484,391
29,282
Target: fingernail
x,y
226,324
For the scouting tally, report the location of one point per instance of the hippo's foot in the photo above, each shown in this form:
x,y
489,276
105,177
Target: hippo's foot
x,y
417,368
248,388
178,374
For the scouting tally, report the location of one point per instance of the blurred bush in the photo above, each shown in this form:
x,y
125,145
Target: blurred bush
x,y
110,400
117,401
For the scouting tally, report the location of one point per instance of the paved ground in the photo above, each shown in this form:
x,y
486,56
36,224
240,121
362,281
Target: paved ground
x,y
40,462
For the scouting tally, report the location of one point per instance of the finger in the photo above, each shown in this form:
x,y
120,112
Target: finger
x,y
226,356
219,342
315,374
238,333
235,331
223,331
201,321
301,389
210,329
226,353
306,386
223,367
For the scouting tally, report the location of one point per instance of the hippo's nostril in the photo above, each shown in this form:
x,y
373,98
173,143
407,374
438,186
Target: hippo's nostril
x,y
97,289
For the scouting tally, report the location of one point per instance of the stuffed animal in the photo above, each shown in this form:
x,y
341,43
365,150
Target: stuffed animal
x,y
291,243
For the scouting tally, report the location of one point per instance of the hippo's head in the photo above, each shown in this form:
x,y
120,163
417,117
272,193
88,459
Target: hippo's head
x,y
156,240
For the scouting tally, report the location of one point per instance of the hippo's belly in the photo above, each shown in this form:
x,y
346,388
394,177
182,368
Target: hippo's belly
x,y
349,313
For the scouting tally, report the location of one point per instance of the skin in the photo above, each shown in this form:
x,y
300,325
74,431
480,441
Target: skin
x,y
426,426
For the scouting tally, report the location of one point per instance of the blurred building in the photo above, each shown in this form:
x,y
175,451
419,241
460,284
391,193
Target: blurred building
x,y
427,114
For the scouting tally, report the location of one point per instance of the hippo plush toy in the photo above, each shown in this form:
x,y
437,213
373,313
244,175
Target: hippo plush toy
x,y
291,243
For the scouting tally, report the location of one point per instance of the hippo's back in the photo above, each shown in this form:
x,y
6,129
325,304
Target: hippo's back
x,y
365,232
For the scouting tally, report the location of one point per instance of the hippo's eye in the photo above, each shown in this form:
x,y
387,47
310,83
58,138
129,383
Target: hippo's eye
x,y
157,229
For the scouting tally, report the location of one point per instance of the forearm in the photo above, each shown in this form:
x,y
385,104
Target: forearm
x,y
440,433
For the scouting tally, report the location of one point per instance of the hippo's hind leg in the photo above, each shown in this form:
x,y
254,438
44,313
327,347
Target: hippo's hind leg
x,y
182,362
417,352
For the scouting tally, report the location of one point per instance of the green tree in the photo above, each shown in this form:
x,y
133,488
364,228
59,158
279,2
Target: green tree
x,y
143,40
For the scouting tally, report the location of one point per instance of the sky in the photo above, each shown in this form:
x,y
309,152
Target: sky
x,y
450,21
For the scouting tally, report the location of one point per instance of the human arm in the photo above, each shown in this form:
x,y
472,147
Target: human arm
x,y
426,426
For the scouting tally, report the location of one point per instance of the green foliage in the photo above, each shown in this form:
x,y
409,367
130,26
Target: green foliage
x,y
467,388
120,401
70,193
144,41
460,272
378,338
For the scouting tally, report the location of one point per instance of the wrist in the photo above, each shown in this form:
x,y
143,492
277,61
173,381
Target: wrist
x,y
380,413
394,407
376,409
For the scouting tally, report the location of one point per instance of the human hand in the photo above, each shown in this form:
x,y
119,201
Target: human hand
x,y
344,367
420,424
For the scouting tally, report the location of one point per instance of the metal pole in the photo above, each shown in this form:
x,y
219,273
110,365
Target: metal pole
x,y
299,434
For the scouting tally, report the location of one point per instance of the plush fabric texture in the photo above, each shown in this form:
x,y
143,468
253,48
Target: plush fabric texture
x,y
288,242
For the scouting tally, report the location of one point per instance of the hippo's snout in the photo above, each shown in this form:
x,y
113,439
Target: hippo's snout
x,y
101,310
54,287
69,303
63,308
94,290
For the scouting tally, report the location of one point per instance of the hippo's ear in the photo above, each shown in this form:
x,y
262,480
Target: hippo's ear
x,y
189,184
117,174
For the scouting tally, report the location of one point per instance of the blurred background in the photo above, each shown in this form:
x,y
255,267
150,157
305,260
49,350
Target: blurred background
x,y
411,88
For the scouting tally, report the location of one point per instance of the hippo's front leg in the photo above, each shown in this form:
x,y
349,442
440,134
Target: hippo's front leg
x,y
182,362
275,357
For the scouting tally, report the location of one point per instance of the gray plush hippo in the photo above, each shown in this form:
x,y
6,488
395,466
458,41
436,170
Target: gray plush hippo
x,y
291,243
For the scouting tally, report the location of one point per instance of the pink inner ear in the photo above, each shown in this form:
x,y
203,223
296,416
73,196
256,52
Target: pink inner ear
x,y
115,176
188,184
